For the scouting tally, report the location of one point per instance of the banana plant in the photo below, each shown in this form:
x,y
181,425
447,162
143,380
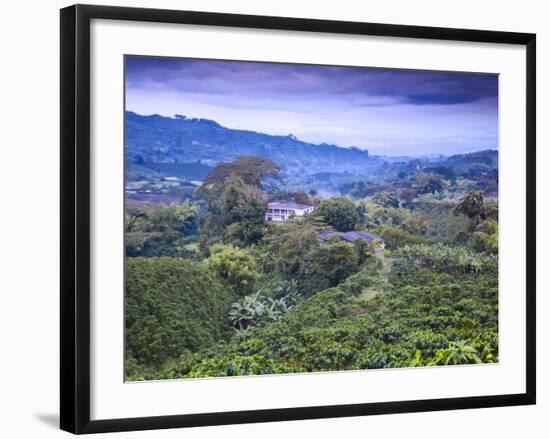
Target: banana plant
x,y
456,353
256,309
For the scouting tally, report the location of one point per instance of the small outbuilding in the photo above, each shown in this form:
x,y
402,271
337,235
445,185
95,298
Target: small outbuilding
x,y
325,235
174,179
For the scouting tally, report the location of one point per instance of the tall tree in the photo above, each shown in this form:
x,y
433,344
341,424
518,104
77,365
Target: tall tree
x,y
472,206
252,221
289,244
334,261
236,216
340,213
252,170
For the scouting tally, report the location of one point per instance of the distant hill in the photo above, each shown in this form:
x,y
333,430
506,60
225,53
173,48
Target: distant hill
x,y
158,146
459,164
487,159
156,139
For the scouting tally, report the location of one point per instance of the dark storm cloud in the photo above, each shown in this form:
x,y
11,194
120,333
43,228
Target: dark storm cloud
x,y
292,82
385,110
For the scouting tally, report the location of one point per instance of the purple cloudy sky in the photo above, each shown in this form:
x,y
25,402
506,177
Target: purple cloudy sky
x,y
387,111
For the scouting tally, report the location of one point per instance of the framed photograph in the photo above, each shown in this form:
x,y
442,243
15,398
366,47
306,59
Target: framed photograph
x,y
268,218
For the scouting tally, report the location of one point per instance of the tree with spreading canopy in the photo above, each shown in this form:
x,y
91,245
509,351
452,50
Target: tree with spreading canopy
x,y
252,170
159,230
339,213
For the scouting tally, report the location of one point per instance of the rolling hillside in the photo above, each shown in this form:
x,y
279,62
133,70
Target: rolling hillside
x,y
158,139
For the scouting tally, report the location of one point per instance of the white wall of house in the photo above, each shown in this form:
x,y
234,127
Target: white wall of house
x,y
285,214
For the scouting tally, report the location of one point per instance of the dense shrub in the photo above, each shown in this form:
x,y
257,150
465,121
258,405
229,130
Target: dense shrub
x,y
396,237
444,258
486,237
330,264
172,306
236,266
422,318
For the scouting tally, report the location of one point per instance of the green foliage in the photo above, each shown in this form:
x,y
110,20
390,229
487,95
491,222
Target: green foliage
x,y
407,194
237,215
271,298
486,237
277,288
242,212
386,199
416,223
288,245
340,213
442,258
252,170
424,318
384,216
457,352
443,224
231,199
159,230
171,305
331,263
396,237
143,170
235,266
429,183
256,309
253,358
363,250
295,196
471,205
252,221
356,189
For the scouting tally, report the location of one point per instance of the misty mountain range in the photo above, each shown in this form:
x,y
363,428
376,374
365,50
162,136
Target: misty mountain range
x,y
190,148
158,139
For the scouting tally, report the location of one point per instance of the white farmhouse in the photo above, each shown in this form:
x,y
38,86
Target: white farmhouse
x,y
282,211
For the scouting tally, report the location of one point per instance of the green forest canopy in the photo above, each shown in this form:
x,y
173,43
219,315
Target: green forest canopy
x,y
213,289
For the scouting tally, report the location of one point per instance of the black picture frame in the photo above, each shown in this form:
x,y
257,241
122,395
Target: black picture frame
x,y
75,217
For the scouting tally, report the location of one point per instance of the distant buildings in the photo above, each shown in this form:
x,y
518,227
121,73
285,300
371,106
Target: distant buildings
x,y
325,235
282,211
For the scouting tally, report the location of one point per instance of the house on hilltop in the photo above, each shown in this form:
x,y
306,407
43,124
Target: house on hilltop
x,y
170,179
282,211
325,235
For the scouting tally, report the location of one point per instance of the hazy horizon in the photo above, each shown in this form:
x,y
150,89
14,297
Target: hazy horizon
x,y
373,153
389,112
